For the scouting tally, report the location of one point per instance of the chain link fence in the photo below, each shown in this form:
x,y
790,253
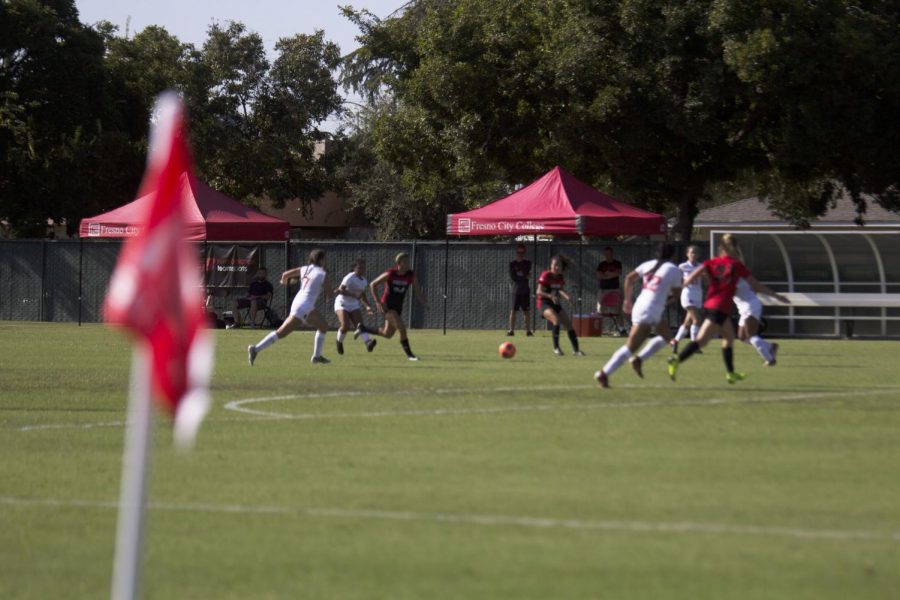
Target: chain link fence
x,y
65,281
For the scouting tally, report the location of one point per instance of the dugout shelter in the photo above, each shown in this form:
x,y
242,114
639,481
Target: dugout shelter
x,y
840,282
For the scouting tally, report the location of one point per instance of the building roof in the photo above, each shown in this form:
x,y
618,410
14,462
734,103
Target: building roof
x,y
754,212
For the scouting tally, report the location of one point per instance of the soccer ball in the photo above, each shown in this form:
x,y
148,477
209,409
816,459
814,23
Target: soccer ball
x,y
507,350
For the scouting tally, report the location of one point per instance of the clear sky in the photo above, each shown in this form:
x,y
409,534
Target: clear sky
x,y
188,20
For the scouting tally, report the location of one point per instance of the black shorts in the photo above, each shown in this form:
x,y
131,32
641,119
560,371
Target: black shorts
x,y
557,308
716,316
394,305
521,301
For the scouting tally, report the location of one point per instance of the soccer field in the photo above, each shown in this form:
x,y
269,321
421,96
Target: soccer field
x,y
462,475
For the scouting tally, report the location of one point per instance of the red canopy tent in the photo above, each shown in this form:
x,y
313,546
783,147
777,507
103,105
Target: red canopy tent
x,y
558,204
213,216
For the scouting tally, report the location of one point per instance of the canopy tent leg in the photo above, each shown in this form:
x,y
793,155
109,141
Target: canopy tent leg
x,y
446,276
534,267
80,277
580,273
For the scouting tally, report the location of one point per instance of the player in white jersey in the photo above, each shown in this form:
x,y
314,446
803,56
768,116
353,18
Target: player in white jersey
x,y
750,310
349,299
659,279
303,309
691,298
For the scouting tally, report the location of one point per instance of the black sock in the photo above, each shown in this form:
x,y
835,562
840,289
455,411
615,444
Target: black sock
x,y
574,339
689,350
728,357
405,344
556,337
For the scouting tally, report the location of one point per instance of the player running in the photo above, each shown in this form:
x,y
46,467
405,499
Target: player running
x,y
659,277
723,273
691,299
349,299
749,312
551,286
303,308
397,280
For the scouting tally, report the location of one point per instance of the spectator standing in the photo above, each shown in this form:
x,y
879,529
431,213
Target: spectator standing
x,y
519,273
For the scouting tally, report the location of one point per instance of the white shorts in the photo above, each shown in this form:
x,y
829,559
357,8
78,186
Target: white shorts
x,y
346,303
644,314
691,298
301,307
748,309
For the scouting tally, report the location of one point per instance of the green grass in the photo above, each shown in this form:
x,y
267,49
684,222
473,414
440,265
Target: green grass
x,y
463,475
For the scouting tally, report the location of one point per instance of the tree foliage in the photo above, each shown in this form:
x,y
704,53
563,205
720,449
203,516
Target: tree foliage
x,y
58,118
75,104
656,100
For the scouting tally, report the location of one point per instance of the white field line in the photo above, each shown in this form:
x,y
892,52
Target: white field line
x,y
263,415
239,405
674,527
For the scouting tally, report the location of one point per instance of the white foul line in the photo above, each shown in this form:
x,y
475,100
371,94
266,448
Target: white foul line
x,y
672,527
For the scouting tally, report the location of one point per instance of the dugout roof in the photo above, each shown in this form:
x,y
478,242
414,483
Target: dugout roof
x,y
558,203
210,216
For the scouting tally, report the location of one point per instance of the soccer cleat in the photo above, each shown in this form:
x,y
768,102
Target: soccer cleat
x,y
510,333
558,352
370,345
340,347
578,353
412,358
636,364
673,366
773,362
602,379
734,377
319,360
529,333
251,354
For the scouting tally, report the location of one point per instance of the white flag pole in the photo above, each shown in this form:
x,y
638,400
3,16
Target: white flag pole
x,y
135,470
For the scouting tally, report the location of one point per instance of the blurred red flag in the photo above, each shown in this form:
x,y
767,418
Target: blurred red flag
x,y
155,289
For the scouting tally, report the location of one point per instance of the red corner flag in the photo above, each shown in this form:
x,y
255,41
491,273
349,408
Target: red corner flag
x,y
156,289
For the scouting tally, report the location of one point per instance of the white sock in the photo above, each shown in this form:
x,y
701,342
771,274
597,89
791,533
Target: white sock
x,y
762,346
364,336
616,360
320,342
267,341
695,331
340,335
652,347
682,331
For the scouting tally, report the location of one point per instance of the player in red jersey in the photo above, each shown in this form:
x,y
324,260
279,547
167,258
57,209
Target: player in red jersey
x,y
723,274
397,280
551,286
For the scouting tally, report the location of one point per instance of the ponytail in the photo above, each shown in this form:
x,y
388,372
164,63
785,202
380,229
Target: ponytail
x,y
729,244
664,253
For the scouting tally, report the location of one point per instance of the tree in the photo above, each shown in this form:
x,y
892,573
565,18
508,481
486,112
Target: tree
x,y
624,94
255,137
823,107
57,121
657,100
